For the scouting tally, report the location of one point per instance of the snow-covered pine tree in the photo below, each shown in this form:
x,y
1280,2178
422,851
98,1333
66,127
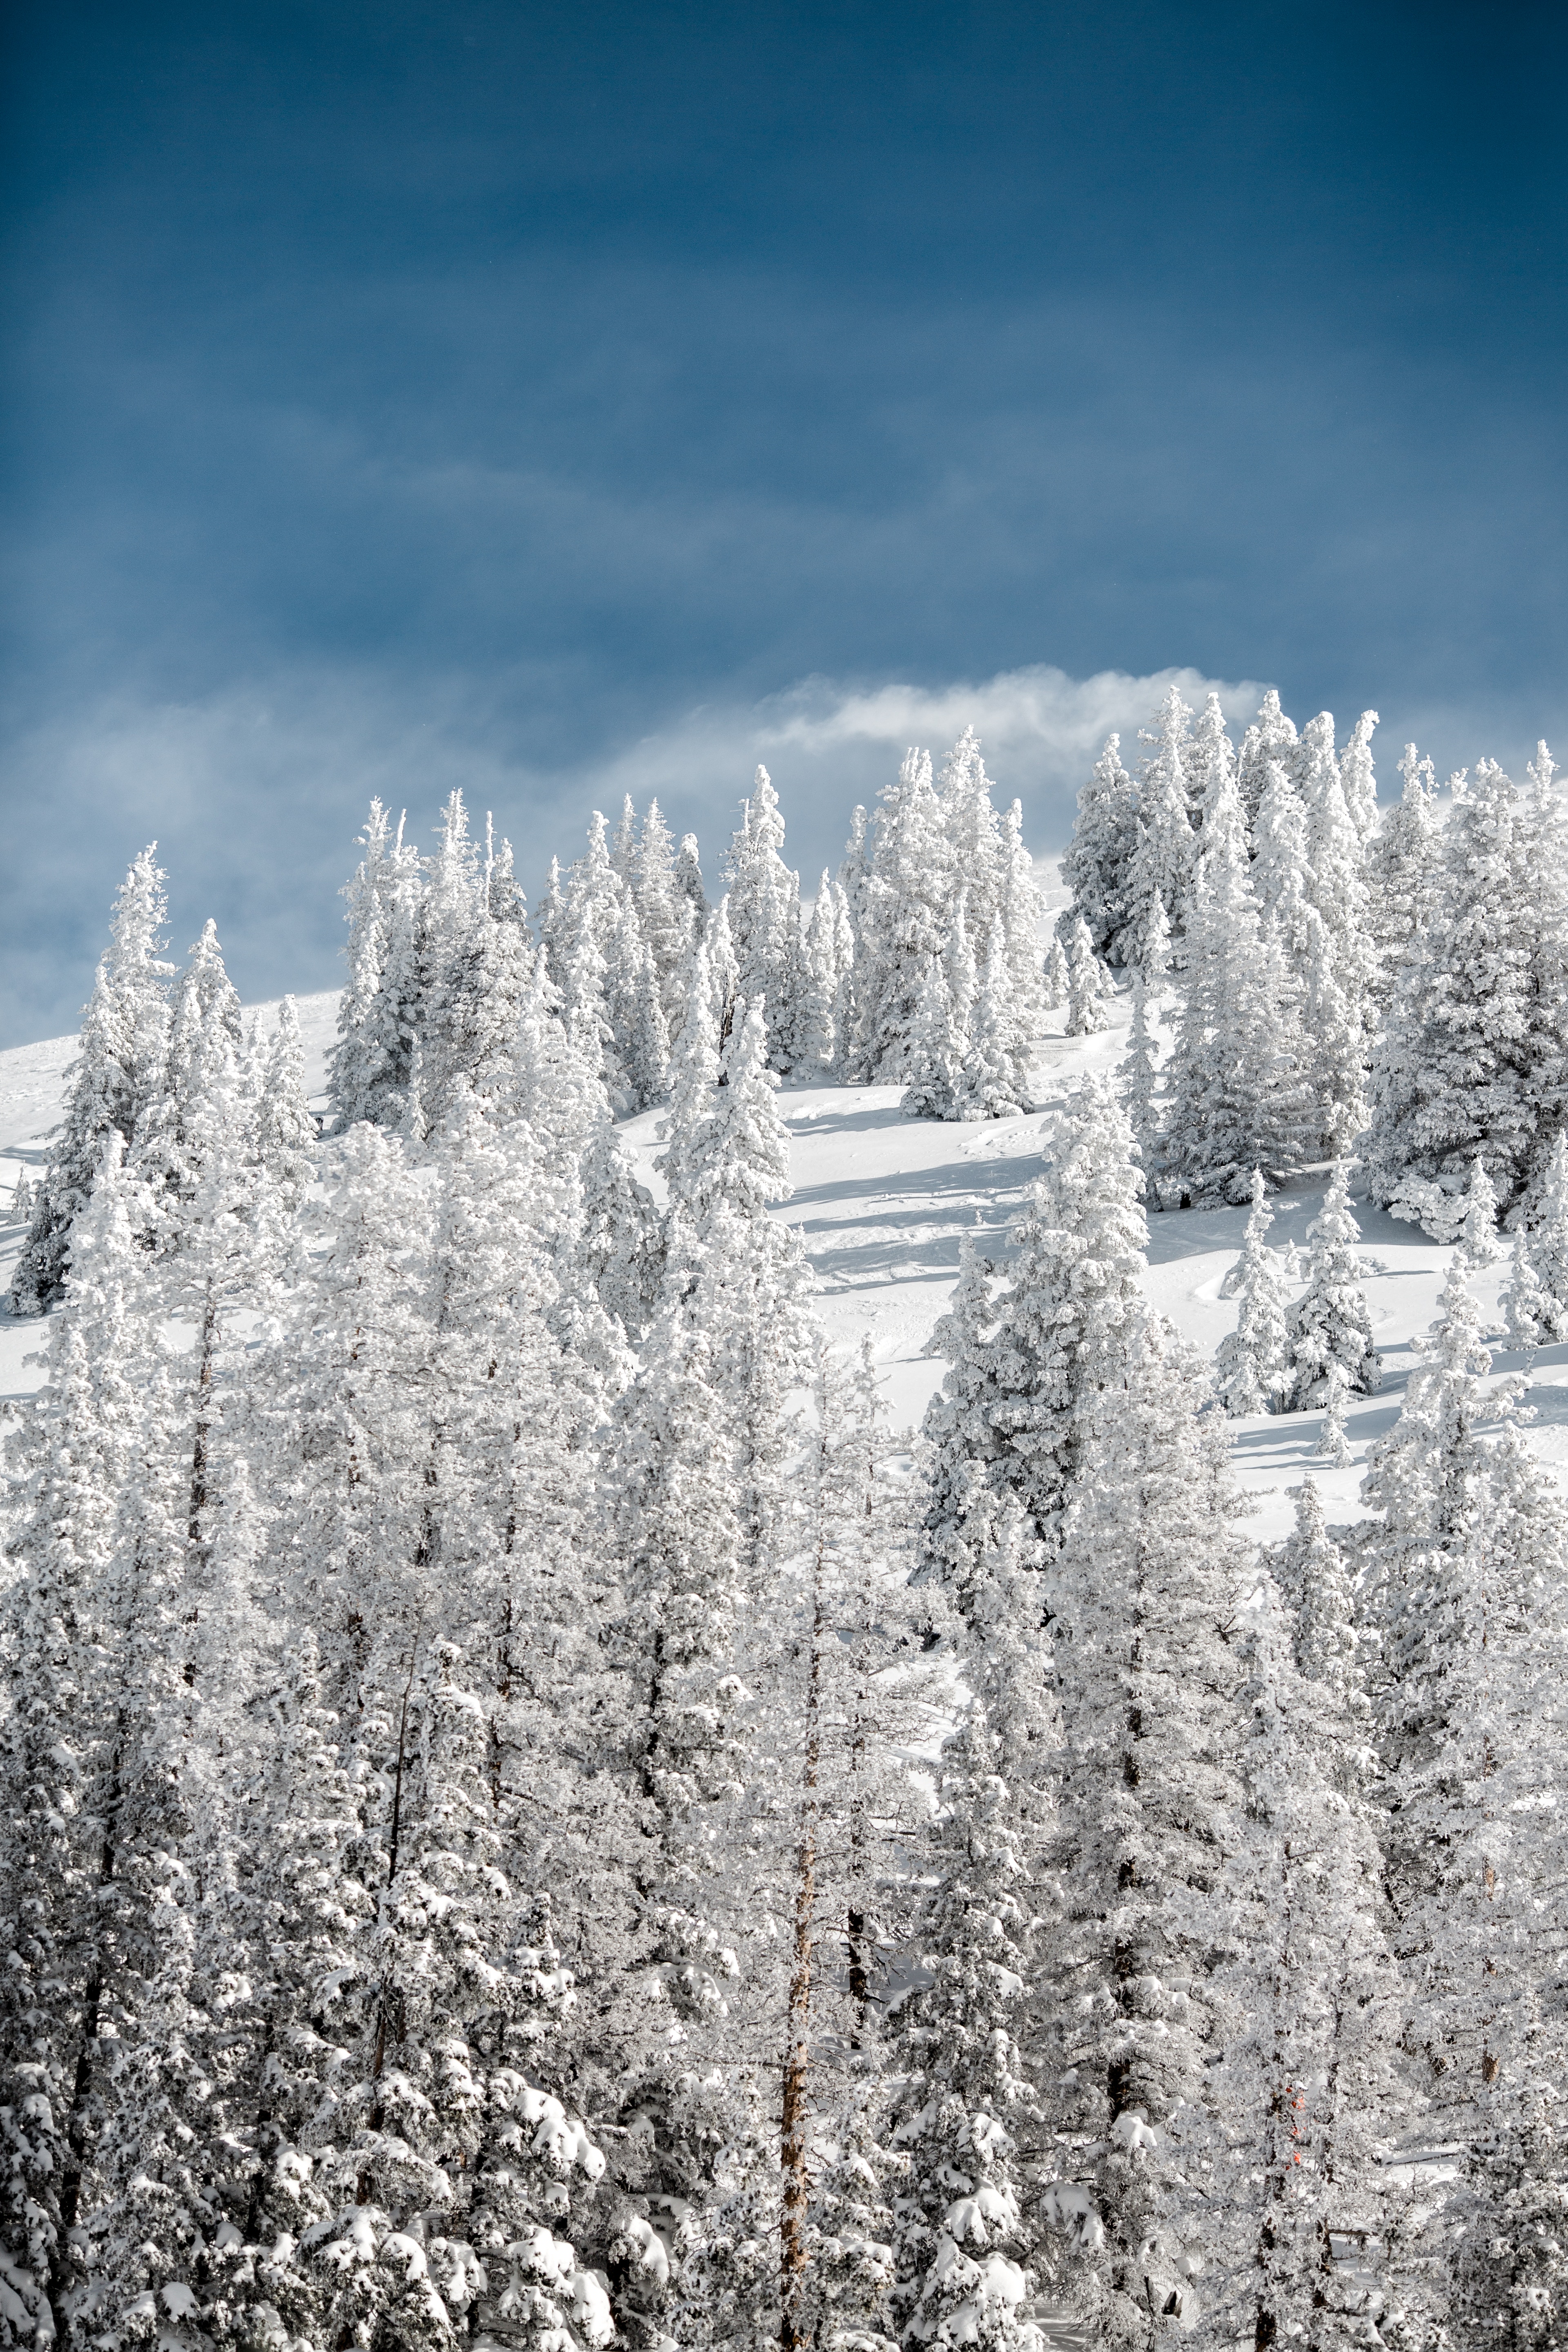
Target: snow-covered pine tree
x,y
1330,1324
1358,778
1141,1597
99,1805
978,847
764,922
1307,2088
1139,1083
114,1080
831,1803
1341,967
1332,1444
61,1759
1098,861
1476,1062
452,912
1209,762
1233,1085
1271,739
1057,981
959,964
1026,1359
666,914
1022,913
1546,1225
994,1081
623,847
550,922
1086,983
635,1010
904,898
1531,1315
1470,1585
688,882
937,1051
379,1015
1279,872
1401,870
959,2228
285,1130
821,1001
1252,1368
592,919
1161,870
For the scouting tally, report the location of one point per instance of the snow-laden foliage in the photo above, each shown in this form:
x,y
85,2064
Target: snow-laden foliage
x,y
530,1819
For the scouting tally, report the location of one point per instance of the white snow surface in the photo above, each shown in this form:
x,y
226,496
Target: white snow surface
x,y
882,1202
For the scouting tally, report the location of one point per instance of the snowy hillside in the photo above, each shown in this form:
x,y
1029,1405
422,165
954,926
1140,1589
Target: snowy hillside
x,y
534,1806
882,1202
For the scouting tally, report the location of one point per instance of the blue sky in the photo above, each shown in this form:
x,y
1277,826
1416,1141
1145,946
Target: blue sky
x,y
554,400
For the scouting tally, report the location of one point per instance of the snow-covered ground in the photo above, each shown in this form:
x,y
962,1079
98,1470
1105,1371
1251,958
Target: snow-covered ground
x,y
883,1201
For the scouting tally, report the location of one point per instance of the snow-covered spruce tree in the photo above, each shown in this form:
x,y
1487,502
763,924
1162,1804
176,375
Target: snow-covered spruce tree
x,y
1342,963
1026,1359
590,922
1151,1815
550,923
1252,1367
379,1012
452,910
820,1002
688,881
764,922
667,915
1279,875
425,2135
958,2229
1306,2089
702,1518
1401,871
1234,1088
101,1759
1531,1315
488,984
1358,777
994,1081
61,1754
1208,763
1022,913
1161,870
793,2245
1139,1082
1545,1234
285,1129
1271,739
623,847
1472,1585
959,964
1329,1324
1086,983
113,1081
635,1011
1056,983
904,898
976,843
1097,862
1480,1064
938,1050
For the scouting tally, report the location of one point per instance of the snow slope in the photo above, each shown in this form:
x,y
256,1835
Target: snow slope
x,y
883,1201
